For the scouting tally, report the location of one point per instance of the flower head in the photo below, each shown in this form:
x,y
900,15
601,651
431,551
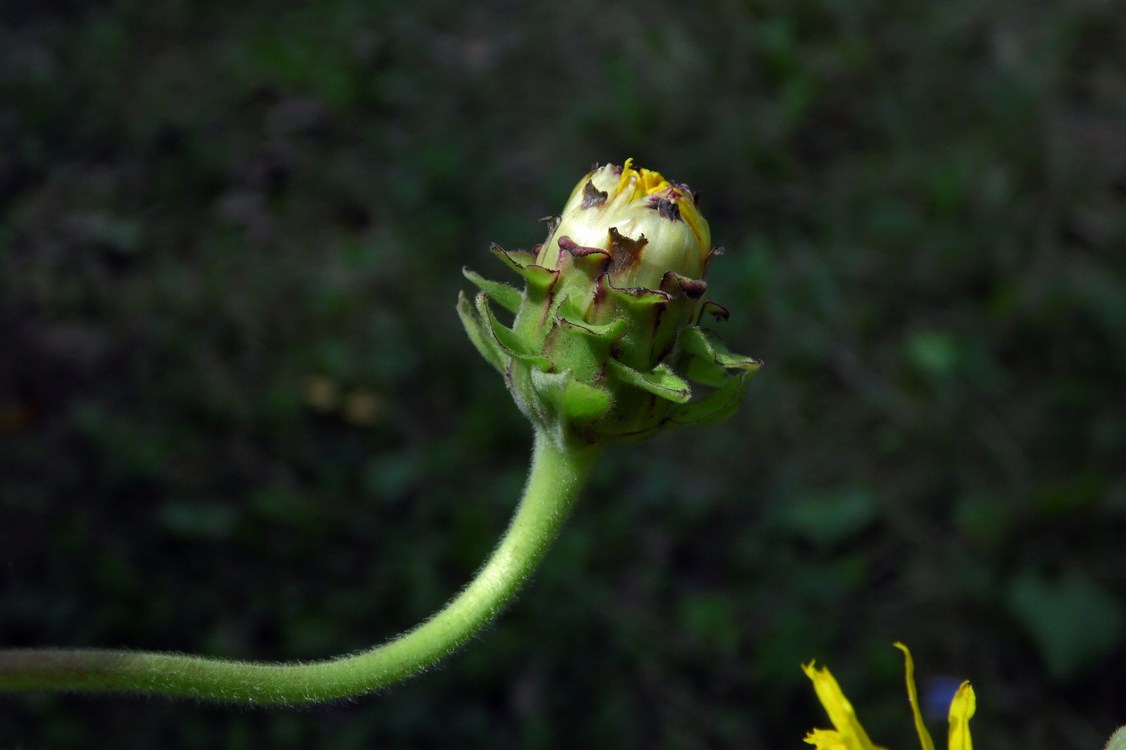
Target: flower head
x,y
606,332
848,734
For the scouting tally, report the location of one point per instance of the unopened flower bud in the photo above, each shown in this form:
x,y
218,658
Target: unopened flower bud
x,y
647,224
606,332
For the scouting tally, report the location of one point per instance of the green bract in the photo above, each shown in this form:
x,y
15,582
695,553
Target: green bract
x,y
606,334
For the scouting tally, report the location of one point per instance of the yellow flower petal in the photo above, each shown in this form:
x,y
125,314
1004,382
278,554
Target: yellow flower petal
x,y
913,698
961,711
825,739
645,180
849,734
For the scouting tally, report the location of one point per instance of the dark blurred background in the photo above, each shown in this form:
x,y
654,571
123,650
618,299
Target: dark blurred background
x,y
238,414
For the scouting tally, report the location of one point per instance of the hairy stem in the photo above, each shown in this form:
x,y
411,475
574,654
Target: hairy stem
x,y
554,481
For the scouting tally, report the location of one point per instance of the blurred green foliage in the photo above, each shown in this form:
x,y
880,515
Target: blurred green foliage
x,y
237,413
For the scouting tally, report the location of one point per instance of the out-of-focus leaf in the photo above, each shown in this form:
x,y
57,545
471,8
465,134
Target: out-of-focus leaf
x,y
1074,622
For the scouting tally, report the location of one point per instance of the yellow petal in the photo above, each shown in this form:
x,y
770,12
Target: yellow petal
x,y
851,736
825,739
913,698
961,711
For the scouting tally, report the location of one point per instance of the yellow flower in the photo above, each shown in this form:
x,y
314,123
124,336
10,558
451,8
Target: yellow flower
x,y
847,734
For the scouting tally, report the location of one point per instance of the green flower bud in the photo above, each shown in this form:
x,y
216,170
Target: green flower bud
x,y
606,334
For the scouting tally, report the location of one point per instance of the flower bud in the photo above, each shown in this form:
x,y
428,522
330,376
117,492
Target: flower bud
x,y
648,225
606,332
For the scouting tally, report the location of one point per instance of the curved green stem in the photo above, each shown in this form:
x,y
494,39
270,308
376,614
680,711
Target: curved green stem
x,y
554,481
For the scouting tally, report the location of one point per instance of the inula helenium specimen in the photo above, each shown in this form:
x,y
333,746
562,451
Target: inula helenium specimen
x,y
606,335
604,341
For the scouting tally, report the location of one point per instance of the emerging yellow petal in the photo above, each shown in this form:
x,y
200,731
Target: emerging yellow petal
x,y
961,711
913,698
645,180
849,735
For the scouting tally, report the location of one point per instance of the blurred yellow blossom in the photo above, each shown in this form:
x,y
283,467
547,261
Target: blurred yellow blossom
x,y
848,734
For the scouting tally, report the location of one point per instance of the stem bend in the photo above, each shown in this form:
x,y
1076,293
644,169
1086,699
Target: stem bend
x,y
554,480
